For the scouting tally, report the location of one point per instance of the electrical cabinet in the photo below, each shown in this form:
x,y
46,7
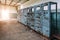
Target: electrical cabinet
x,y
22,16
39,19
30,20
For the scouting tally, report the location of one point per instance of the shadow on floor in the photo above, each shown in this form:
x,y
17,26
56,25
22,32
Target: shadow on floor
x,y
2,23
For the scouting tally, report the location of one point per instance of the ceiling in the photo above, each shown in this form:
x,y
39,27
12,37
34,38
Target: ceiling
x,y
12,2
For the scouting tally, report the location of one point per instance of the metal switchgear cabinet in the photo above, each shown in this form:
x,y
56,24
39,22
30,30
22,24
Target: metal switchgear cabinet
x,y
41,20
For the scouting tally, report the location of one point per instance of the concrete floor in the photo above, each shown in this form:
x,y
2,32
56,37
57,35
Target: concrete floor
x,y
12,30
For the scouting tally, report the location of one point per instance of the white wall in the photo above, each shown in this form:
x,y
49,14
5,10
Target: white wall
x,y
35,2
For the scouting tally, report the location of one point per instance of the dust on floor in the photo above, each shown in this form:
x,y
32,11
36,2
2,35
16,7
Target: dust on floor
x,y
12,30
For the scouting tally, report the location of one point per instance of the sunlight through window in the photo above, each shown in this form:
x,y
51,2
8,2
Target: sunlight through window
x,y
5,14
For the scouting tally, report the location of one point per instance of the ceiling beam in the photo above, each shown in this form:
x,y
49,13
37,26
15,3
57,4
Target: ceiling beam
x,y
5,2
11,2
17,2
25,1
0,1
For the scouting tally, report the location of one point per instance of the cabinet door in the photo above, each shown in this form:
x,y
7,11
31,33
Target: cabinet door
x,y
46,24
